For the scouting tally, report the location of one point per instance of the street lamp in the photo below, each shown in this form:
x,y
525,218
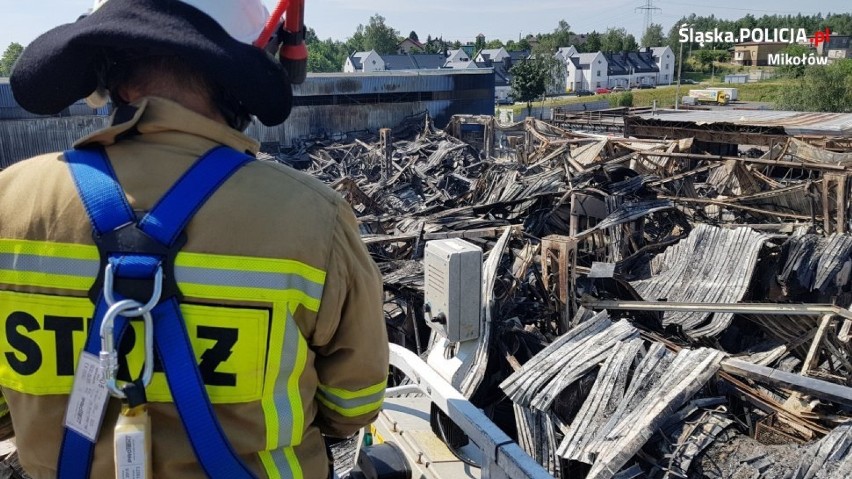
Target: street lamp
x,y
679,70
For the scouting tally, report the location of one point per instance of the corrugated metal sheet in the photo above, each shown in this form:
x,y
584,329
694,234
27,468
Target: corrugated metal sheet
x,y
794,122
22,139
6,98
712,265
388,82
10,110
334,121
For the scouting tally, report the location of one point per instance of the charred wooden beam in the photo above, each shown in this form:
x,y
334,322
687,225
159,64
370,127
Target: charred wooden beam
x,y
558,259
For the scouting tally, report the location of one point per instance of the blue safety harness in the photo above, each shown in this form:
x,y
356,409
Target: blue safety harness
x,y
136,250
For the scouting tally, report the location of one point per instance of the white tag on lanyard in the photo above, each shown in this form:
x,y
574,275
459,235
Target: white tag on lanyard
x,y
89,396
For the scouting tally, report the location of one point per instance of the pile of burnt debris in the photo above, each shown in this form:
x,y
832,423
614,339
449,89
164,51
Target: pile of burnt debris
x,y
650,310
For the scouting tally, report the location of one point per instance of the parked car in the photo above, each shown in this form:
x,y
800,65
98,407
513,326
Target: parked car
x,y
583,92
601,91
645,86
617,89
687,81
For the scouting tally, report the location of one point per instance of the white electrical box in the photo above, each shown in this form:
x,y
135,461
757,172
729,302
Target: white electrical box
x,y
453,285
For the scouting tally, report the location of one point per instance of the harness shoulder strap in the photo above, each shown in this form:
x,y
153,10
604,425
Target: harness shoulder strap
x,y
108,210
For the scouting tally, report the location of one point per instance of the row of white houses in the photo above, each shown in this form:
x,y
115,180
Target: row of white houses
x,y
588,71
577,71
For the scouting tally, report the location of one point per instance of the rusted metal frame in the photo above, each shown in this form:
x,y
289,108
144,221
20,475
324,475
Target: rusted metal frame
x,y
770,405
677,132
837,353
768,194
754,396
683,175
791,381
735,205
766,179
737,308
759,161
471,233
386,149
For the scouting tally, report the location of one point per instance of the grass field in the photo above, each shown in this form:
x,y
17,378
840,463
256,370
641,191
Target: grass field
x,y
665,95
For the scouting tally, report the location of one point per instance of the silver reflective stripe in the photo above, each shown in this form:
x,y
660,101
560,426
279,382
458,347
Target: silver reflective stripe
x,y
289,354
282,464
49,264
248,279
351,403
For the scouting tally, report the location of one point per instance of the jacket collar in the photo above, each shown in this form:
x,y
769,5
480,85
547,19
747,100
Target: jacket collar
x,y
157,115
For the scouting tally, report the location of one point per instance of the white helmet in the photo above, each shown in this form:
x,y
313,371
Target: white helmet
x,y
242,19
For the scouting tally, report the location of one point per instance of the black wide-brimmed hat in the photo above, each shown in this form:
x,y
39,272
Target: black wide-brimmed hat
x,y
61,66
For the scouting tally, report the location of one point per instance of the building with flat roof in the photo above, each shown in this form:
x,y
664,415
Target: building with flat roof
x,y
756,54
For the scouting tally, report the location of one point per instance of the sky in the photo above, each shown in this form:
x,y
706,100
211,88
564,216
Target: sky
x,y
23,20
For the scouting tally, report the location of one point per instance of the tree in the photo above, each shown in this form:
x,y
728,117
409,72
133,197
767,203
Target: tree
x,y
794,71
378,36
494,44
356,42
10,56
653,36
629,44
821,88
550,42
529,81
413,36
480,43
613,40
704,58
562,35
593,42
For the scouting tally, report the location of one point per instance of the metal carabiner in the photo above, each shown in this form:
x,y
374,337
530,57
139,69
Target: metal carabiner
x,y
128,308
109,296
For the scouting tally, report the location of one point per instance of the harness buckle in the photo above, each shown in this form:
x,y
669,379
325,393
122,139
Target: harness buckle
x,y
128,308
156,294
130,239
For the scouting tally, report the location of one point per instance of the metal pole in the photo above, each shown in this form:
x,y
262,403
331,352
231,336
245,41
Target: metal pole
x,y
737,308
679,70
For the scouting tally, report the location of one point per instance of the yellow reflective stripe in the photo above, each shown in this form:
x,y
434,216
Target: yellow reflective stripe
x,y
352,412
43,280
281,463
46,248
208,276
354,406
249,263
347,394
352,403
47,265
288,356
293,462
249,294
276,348
294,392
269,465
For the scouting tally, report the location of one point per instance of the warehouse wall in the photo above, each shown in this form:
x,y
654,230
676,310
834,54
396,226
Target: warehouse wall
x,y
326,105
